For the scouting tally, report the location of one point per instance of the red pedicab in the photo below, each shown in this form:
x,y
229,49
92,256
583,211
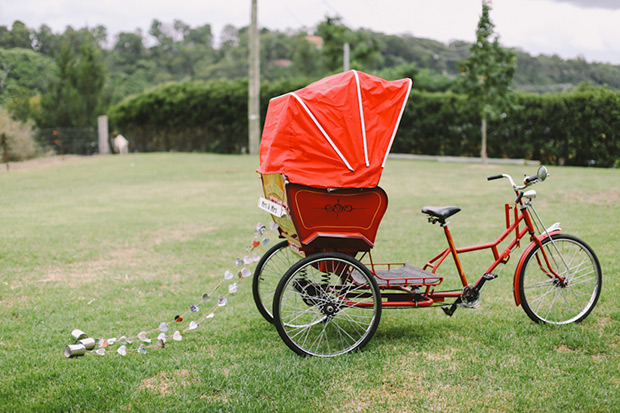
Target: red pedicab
x,y
322,153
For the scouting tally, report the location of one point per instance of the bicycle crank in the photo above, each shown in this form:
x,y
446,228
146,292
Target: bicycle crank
x,y
470,298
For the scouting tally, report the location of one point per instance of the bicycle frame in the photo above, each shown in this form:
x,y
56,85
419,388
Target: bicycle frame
x,y
520,214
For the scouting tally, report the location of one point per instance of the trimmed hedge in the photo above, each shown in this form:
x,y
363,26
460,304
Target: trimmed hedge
x,y
193,116
576,128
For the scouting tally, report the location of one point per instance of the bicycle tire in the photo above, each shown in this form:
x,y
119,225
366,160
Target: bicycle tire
x,y
327,305
271,267
546,299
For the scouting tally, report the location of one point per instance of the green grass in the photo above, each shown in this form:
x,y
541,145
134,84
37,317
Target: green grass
x,y
115,245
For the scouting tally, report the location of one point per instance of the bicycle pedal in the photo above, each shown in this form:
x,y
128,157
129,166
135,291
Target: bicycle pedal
x,y
489,276
448,309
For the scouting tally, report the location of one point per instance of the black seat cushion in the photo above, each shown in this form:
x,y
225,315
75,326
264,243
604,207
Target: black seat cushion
x,y
441,212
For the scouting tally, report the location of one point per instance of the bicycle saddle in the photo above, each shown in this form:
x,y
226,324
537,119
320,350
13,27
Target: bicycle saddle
x,y
441,213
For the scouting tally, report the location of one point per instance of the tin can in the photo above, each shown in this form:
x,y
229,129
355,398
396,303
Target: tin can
x,y
89,343
78,335
75,350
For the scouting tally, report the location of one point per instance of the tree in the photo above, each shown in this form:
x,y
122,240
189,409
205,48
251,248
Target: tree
x,y
334,34
486,74
128,49
18,36
74,97
23,69
45,41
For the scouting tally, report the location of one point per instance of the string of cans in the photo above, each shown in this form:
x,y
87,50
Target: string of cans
x,y
84,345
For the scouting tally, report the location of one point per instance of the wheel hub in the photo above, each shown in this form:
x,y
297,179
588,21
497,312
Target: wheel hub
x,y
559,283
330,308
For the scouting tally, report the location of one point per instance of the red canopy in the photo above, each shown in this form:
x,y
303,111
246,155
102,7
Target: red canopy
x,y
334,133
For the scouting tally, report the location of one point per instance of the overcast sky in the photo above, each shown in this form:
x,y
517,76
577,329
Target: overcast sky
x,y
569,28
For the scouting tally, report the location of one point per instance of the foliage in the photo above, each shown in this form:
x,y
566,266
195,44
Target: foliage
x,y
175,53
75,95
486,75
23,70
193,116
578,128
20,138
575,128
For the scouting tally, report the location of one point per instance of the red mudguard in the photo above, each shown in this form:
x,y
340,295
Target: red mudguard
x,y
515,287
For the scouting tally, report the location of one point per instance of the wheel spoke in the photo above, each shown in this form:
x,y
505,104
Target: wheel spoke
x,y
566,299
317,306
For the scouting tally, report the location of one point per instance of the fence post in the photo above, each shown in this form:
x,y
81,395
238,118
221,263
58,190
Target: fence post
x,y
5,151
104,146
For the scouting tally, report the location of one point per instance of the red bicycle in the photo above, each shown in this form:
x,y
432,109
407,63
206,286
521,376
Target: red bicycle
x,y
325,302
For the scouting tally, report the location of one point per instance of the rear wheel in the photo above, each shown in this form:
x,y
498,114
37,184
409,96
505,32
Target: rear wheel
x,y
326,305
271,267
547,298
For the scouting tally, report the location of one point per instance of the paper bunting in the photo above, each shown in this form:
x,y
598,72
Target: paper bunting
x,y
260,229
222,300
142,337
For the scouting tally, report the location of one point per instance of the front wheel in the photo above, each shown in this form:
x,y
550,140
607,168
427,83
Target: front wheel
x,y
560,283
326,305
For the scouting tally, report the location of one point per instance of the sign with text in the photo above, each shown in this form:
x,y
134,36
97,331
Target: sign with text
x,y
271,207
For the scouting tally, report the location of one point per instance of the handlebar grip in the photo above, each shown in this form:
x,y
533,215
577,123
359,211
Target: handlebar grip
x,y
519,198
530,179
490,178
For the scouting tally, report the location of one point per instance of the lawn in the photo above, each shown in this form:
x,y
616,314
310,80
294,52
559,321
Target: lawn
x,y
116,245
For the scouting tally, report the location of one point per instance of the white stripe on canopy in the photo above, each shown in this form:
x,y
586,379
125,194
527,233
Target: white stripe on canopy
x,y
316,122
359,101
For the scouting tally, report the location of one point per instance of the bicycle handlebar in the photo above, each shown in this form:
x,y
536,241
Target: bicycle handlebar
x,y
527,181
540,176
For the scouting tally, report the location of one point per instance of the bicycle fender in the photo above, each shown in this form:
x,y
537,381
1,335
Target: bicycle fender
x,y
515,286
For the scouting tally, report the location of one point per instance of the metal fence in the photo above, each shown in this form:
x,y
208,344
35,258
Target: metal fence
x,y
77,141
